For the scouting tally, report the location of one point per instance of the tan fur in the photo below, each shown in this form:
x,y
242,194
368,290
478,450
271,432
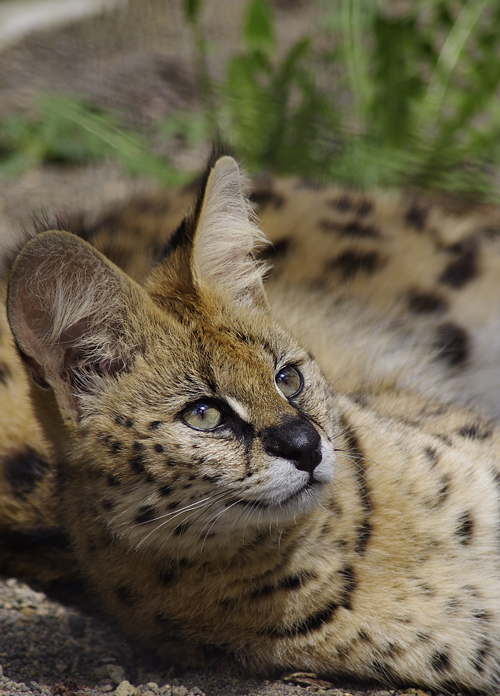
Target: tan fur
x,y
351,527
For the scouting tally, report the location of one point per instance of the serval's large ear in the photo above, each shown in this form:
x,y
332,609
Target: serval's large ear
x,y
70,311
213,247
226,237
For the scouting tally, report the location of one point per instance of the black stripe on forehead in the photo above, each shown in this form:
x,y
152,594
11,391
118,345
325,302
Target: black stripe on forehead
x,y
251,340
203,373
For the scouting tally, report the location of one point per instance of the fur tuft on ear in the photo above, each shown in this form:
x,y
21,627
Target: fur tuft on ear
x,y
68,309
226,237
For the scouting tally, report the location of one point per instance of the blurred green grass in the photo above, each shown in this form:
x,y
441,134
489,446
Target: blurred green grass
x,y
415,103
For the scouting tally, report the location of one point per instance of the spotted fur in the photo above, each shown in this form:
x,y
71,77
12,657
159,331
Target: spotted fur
x,y
341,514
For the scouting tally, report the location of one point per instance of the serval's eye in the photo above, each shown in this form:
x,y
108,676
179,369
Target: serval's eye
x,y
289,381
202,416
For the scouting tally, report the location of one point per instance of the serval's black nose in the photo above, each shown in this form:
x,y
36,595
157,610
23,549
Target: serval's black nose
x,y
297,440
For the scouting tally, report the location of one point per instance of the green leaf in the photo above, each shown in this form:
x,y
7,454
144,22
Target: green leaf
x,y
191,10
297,53
452,50
396,81
259,30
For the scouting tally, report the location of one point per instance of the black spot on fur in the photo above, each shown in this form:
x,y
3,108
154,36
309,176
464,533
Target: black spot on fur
x,y
334,507
349,578
364,207
360,398
355,453
181,529
356,229
426,302
444,439
290,583
452,605
185,563
165,490
350,263
364,533
380,670
23,471
266,197
490,233
113,480
471,590
483,616
146,513
173,505
116,446
5,373
464,268
431,455
453,344
312,623
476,432
416,216
158,447
311,184
166,576
440,662
326,530
294,582
129,422
351,229
496,478
212,479
343,204
137,464
154,425
391,650
276,251
244,338
443,492
108,504
127,594
481,655
465,528
426,589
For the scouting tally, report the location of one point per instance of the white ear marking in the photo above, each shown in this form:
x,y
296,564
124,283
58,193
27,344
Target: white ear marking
x,y
226,237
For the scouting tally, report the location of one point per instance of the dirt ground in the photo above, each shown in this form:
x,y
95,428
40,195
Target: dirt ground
x,y
140,63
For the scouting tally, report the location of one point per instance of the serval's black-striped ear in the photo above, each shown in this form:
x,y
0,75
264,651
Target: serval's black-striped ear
x,y
213,249
70,311
226,237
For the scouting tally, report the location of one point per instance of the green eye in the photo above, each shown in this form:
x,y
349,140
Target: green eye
x,y
289,381
202,416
